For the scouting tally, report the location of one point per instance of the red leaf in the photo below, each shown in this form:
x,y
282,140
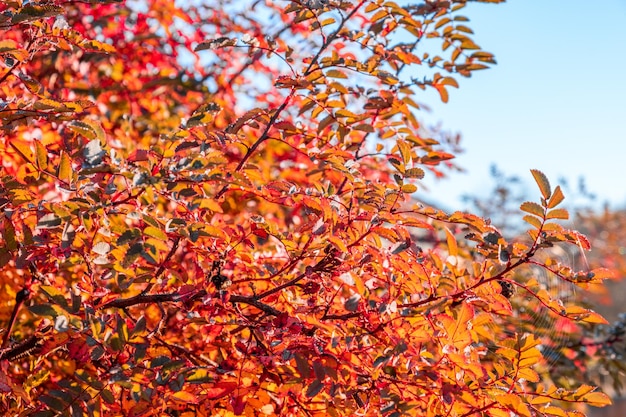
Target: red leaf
x,y
138,155
221,389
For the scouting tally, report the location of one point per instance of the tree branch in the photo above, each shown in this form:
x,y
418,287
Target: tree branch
x,y
175,297
255,303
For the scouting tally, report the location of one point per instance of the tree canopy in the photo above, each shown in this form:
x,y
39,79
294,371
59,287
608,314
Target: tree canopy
x,y
208,208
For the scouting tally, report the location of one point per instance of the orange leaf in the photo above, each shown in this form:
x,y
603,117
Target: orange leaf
x,y
533,221
557,214
532,208
453,249
603,273
23,150
557,197
542,182
593,317
457,328
597,399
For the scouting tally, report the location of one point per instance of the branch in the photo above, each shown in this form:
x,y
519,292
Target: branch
x,y
142,299
175,297
20,297
260,140
284,104
331,38
256,56
255,303
22,349
345,316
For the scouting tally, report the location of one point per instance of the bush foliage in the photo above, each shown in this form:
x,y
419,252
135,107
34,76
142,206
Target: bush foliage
x,y
207,210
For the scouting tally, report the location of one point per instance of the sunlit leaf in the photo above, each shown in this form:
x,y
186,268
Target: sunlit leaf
x,y
216,43
199,376
542,182
93,45
557,214
41,154
597,399
533,208
32,12
213,210
220,389
185,397
65,168
533,221
557,197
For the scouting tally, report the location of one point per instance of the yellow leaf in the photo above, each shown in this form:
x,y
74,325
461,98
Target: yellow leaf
x,y
42,155
36,379
155,233
540,399
94,45
49,104
199,375
554,411
346,113
51,291
7,45
88,129
385,233
32,85
574,310
209,203
552,227
214,231
528,374
335,103
65,168
409,188
414,173
336,74
185,397
405,151
338,243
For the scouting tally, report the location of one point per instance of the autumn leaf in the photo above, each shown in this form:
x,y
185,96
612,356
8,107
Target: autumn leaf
x,y
219,209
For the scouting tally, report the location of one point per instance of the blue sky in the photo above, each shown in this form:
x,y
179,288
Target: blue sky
x,y
556,101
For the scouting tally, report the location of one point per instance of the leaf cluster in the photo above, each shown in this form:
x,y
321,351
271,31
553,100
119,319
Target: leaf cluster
x,y
207,213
